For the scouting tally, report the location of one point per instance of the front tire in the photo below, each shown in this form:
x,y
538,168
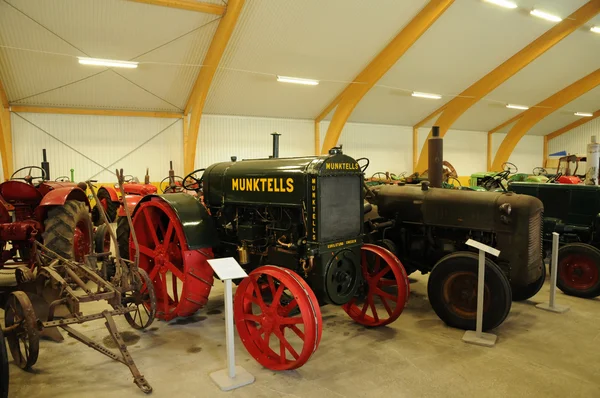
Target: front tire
x,y
520,293
68,230
452,291
110,207
579,270
123,231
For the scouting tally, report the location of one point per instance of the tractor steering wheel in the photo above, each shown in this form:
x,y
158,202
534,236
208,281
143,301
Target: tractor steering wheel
x,y
62,179
171,189
538,171
510,167
193,183
364,167
128,178
28,178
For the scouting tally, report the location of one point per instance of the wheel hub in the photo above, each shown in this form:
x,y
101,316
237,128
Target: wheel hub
x,y
342,277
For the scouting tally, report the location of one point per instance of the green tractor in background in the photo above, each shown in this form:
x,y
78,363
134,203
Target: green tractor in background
x,y
499,180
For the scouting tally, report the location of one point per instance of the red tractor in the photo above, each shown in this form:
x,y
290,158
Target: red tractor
x,y
54,213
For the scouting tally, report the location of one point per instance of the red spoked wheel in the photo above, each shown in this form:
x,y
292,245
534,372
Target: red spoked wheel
x,y
277,317
385,290
181,277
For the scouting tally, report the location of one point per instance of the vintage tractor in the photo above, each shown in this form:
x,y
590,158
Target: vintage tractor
x,y
35,209
574,212
427,227
295,224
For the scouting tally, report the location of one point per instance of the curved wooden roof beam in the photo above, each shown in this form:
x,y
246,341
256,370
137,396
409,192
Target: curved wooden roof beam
x,y
461,103
532,116
199,93
355,91
189,5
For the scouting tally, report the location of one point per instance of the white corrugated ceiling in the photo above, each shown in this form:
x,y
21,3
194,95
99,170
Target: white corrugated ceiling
x,y
329,40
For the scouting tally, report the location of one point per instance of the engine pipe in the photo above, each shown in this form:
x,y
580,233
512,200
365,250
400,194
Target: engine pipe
x,y
45,164
436,158
275,145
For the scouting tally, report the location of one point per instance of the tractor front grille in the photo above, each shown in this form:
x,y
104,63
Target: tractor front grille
x,y
534,252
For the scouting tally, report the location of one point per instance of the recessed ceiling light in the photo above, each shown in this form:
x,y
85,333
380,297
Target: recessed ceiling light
x,y
502,3
595,29
545,15
426,95
521,107
584,114
297,80
107,62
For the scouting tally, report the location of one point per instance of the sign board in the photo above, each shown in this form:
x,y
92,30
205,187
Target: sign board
x,y
227,268
481,246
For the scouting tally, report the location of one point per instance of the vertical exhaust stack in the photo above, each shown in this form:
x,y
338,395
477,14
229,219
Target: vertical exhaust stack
x,y
46,165
275,145
436,158
592,162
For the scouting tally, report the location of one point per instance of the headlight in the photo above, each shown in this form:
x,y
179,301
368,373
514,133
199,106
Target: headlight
x,y
506,208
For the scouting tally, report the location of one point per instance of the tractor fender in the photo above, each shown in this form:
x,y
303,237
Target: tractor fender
x,y
59,196
112,192
197,224
131,201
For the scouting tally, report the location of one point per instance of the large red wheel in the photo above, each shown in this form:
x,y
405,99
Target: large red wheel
x,y
181,277
277,317
579,270
385,289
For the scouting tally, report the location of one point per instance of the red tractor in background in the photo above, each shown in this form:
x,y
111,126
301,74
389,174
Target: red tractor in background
x,y
54,213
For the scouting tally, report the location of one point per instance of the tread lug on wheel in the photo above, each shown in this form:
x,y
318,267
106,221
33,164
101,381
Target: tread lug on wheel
x,y
579,270
277,317
102,239
452,291
181,277
385,290
144,302
24,340
68,230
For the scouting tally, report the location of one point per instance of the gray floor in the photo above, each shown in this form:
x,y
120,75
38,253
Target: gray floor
x,y
539,354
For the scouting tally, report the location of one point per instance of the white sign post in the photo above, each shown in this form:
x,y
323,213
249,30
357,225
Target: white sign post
x,y
478,337
551,305
233,376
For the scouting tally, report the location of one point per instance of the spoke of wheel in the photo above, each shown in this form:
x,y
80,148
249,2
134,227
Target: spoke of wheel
x,y
261,303
167,235
271,286
146,251
373,309
297,330
282,349
286,344
387,295
277,296
386,305
151,227
291,321
387,282
364,261
135,314
381,273
363,312
176,271
174,285
265,342
154,272
377,264
288,308
252,318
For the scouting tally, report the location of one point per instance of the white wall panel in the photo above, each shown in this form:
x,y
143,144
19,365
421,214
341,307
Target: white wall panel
x,y
87,143
576,140
528,154
389,148
250,137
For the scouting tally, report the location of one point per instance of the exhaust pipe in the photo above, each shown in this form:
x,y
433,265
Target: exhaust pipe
x,y
46,165
275,145
436,158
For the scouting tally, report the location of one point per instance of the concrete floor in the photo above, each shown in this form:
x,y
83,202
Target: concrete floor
x,y
539,354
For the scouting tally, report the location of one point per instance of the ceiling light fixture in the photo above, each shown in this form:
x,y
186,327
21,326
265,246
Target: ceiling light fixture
x,y
502,3
426,95
107,62
584,114
521,107
545,15
297,80
595,29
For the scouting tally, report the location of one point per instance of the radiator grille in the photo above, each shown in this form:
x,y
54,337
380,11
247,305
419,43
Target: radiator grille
x,y
534,252
340,203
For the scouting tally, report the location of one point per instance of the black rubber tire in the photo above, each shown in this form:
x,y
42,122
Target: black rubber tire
x,y
520,293
4,374
111,210
496,283
388,244
59,228
99,238
581,249
123,231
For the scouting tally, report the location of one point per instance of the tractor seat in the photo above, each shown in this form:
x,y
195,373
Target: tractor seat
x,y
17,192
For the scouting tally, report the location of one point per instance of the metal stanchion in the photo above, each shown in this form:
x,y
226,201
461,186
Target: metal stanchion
x,y
478,337
233,376
551,305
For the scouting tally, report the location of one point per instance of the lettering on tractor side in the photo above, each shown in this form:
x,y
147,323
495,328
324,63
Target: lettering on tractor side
x,y
262,184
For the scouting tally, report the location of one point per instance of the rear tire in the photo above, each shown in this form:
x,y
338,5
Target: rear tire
x,y
452,291
110,207
520,293
68,230
123,231
102,239
579,270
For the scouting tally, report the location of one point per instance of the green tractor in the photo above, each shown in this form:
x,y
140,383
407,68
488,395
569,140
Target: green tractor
x,y
498,180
